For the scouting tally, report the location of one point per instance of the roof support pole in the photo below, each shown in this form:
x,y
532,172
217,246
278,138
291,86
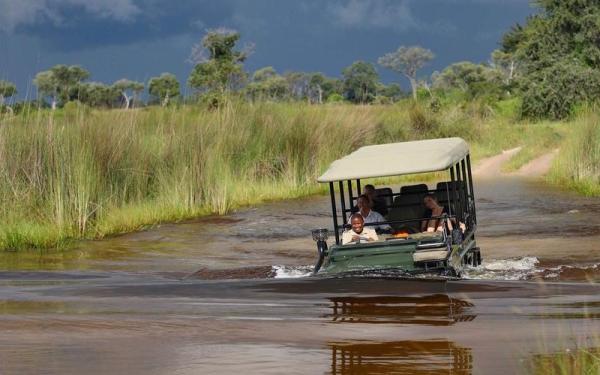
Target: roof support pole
x,y
350,194
334,210
466,193
358,191
343,201
453,184
460,191
471,187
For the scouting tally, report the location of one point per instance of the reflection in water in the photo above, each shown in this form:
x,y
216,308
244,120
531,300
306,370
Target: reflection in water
x,y
434,310
401,357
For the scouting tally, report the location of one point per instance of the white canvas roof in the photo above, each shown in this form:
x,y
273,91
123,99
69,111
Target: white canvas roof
x,y
394,159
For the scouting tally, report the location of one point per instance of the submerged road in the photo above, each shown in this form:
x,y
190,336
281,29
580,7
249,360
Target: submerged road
x,y
138,304
72,323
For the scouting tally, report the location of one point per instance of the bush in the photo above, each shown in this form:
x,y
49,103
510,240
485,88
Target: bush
x,y
554,91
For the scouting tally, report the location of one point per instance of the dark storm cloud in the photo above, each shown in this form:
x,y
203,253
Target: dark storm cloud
x,y
142,38
68,25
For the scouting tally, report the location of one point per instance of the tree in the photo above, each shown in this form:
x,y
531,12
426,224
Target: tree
x,y
96,94
164,88
473,79
61,82
129,90
321,87
267,84
555,49
218,64
360,82
407,61
7,89
47,86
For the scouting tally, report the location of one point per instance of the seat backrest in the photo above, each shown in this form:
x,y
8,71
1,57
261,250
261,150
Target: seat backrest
x,y
444,190
409,205
385,194
442,193
414,189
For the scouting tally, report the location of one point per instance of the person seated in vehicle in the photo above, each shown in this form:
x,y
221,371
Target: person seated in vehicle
x,y
378,204
358,233
370,216
433,212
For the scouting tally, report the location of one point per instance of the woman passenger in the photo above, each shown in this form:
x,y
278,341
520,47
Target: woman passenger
x,y
433,212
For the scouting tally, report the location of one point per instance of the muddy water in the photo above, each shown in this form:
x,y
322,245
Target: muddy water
x,y
142,304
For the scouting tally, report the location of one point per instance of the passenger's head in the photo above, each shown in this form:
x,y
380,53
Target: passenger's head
x,y
430,201
370,191
363,202
357,222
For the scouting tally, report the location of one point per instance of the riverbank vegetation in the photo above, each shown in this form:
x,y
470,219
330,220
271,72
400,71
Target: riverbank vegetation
x,y
83,173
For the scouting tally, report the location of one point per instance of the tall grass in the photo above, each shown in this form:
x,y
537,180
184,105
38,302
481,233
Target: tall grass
x,y
578,164
81,173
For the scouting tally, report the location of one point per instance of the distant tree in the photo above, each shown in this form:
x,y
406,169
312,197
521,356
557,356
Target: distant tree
x,y
507,64
407,61
392,91
360,82
7,90
218,65
129,90
298,84
321,87
267,84
164,88
472,79
61,82
48,86
96,94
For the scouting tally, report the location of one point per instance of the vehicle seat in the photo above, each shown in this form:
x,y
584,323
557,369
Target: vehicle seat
x,y
409,205
442,194
386,195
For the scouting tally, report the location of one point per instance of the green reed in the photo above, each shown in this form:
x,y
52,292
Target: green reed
x,y
82,173
577,166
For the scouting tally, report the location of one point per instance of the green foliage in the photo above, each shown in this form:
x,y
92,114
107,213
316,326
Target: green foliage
x,y
558,51
360,82
222,69
475,80
61,83
7,89
266,84
553,92
335,98
98,94
164,88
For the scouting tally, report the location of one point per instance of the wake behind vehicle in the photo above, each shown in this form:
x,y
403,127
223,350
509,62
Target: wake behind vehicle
x,y
405,247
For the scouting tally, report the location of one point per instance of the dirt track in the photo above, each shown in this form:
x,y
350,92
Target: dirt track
x,y
492,167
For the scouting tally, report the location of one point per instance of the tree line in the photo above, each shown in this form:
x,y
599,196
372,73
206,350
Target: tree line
x,y
551,64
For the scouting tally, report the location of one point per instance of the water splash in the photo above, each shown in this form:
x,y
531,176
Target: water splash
x,y
292,272
504,269
527,268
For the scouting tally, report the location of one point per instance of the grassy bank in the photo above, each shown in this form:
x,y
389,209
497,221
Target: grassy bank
x,y
577,167
81,173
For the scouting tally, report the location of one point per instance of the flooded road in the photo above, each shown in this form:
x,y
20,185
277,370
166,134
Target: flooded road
x,y
173,299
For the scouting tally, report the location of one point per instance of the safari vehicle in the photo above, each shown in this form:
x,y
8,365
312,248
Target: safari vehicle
x,y
405,248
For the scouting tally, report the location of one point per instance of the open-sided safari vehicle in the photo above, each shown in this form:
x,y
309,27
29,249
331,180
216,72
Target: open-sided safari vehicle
x,y
405,247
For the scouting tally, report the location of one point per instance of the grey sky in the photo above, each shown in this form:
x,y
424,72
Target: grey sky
x,y
139,39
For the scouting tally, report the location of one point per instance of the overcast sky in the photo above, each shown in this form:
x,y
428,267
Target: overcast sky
x,y
139,39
